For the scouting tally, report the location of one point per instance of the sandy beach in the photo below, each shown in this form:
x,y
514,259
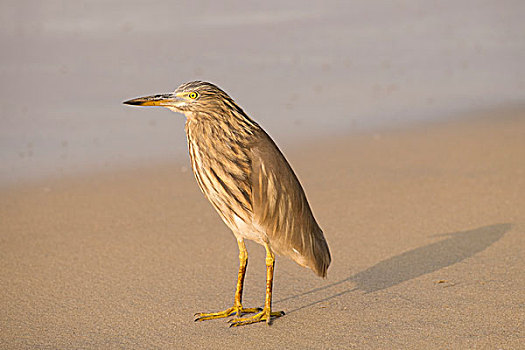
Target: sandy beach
x,y
404,120
425,225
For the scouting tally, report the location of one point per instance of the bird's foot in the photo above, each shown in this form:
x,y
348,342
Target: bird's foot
x,y
265,315
234,310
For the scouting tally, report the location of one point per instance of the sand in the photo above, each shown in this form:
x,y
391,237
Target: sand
x,y
426,228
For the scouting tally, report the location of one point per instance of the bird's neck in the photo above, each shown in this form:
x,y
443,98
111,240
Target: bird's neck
x,y
202,126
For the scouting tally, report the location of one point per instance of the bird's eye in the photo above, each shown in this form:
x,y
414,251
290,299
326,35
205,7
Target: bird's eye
x,y
193,95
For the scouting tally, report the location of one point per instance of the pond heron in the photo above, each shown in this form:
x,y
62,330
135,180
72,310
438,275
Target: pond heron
x,y
248,181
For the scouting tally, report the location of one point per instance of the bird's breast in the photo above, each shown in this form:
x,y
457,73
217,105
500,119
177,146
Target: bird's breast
x,y
222,170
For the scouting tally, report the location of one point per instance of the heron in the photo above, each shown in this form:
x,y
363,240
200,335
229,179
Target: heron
x,y
251,185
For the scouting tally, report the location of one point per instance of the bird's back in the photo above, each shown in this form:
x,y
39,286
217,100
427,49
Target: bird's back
x,y
280,207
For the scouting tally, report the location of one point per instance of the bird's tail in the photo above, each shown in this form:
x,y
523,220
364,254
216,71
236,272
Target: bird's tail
x,y
314,255
320,255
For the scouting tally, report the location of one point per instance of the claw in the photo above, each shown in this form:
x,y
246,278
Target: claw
x,y
264,315
234,310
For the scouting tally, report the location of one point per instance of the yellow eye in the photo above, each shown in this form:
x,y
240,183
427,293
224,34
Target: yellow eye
x,y
193,95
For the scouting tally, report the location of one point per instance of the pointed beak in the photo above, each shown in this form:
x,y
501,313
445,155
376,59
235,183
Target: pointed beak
x,y
155,100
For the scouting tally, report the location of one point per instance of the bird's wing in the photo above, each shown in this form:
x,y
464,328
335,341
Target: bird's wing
x,y
281,209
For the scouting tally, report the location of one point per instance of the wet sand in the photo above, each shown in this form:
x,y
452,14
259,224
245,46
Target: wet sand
x,y
426,228
301,69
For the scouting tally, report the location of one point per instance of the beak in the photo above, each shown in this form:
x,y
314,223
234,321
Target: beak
x,y
156,100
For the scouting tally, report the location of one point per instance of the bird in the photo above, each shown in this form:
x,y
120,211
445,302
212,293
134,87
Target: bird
x,y
251,185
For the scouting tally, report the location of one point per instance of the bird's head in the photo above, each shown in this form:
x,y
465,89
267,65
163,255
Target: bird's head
x,y
192,97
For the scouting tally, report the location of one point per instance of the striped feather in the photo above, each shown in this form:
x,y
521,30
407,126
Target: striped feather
x,y
248,181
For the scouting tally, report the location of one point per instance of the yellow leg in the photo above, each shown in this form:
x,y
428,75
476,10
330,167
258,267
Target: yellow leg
x,y
266,314
237,308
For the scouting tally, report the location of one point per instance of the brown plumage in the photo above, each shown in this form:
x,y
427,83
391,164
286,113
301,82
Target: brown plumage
x,y
249,182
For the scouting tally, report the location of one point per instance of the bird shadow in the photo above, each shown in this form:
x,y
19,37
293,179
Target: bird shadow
x,y
457,247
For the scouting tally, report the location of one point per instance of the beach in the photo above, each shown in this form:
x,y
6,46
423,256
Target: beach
x,y
425,224
404,121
